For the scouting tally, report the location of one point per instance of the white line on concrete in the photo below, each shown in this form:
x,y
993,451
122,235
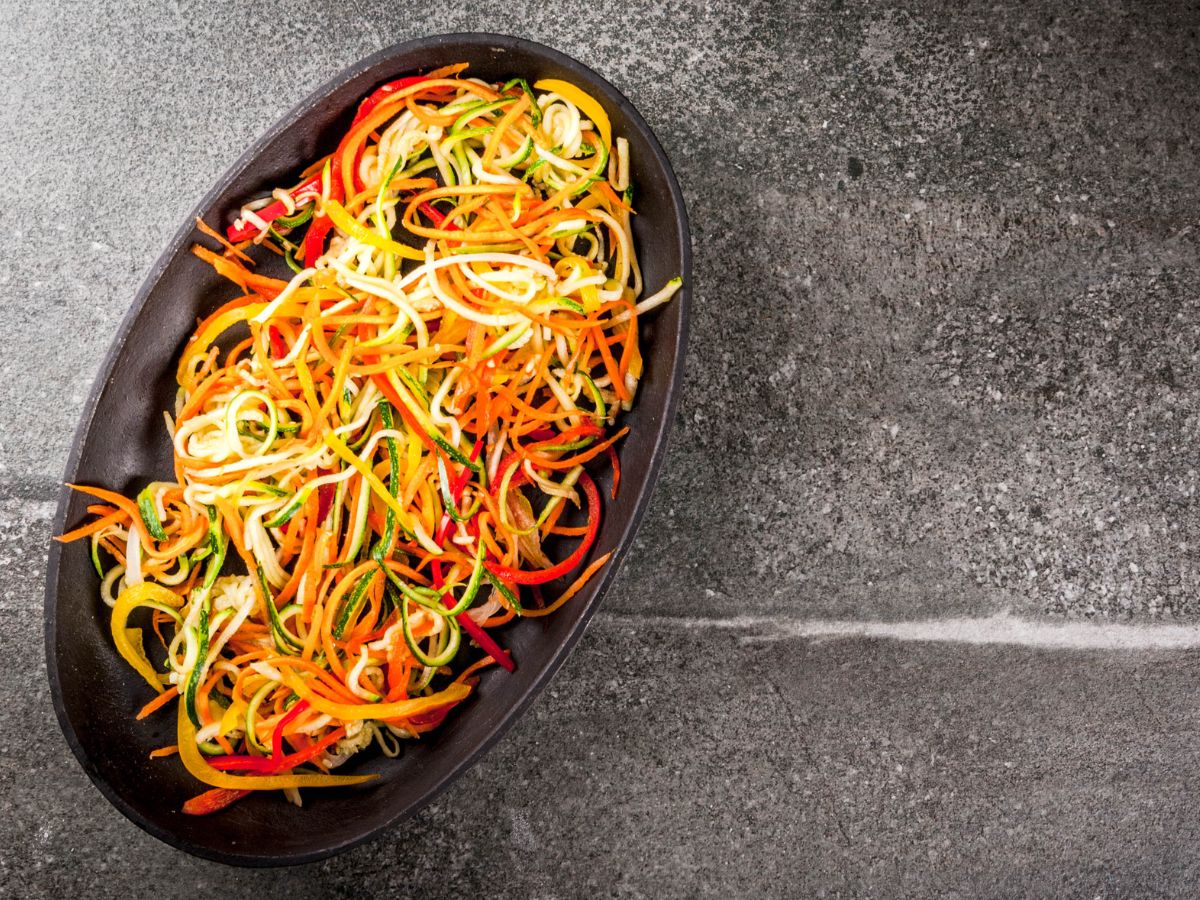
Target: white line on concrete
x,y
997,629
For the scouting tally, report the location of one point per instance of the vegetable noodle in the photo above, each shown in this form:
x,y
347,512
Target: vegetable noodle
x,y
375,459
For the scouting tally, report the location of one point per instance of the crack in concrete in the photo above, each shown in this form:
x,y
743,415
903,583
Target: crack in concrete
x,y
814,765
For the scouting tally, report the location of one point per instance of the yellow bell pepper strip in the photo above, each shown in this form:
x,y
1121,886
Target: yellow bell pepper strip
x,y
195,763
347,223
129,640
211,329
586,103
399,709
233,717
334,443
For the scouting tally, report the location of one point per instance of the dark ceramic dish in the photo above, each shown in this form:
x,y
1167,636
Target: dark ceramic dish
x,y
121,443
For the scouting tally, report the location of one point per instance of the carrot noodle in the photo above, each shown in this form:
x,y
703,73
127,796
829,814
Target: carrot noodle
x,y
574,589
157,703
363,484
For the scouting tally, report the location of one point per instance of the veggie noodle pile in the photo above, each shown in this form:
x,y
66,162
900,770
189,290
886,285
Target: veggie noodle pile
x,y
383,442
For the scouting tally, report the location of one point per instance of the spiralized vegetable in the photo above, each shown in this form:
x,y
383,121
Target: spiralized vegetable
x,y
382,443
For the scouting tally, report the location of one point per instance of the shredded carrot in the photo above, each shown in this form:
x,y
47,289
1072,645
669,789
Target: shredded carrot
x,y
157,703
213,801
203,228
576,586
92,527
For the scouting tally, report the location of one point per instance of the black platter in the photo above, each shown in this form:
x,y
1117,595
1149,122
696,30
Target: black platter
x,y
121,443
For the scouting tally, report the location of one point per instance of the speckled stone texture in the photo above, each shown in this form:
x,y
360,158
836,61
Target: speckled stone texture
x,y
944,362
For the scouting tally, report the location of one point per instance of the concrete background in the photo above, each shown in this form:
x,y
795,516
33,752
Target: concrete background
x,y
943,380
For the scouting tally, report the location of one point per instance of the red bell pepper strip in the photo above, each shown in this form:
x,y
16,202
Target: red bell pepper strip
x,y
518,477
456,492
325,495
485,641
278,346
314,239
432,717
272,211
271,765
443,529
212,801
542,436
435,215
520,576
277,735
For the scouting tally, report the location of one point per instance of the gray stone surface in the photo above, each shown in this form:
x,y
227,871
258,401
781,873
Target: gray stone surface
x,y
668,761
944,362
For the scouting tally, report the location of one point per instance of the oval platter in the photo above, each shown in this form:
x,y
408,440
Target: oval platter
x,y
121,443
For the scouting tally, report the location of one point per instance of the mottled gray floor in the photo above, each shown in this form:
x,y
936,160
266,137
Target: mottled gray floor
x,y
945,361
